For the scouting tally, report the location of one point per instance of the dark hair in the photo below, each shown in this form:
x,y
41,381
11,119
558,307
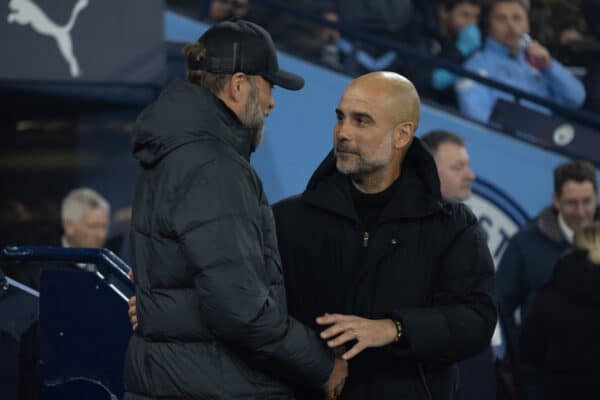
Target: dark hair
x,y
433,139
489,5
214,82
450,4
578,171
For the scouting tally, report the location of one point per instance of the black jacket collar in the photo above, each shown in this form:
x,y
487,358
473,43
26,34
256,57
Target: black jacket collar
x,y
418,193
184,113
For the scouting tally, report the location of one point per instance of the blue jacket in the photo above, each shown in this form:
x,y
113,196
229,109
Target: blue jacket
x,y
525,267
555,83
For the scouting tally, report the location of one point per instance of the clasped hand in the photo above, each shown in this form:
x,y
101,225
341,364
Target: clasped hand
x,y
366,332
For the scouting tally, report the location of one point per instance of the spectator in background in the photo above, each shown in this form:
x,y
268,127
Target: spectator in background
x,y
452,161
477,377
528,262
85,219
458,37
509,57
560,334
221,10
330,39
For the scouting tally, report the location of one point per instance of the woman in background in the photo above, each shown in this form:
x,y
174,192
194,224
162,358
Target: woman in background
x,y
561,336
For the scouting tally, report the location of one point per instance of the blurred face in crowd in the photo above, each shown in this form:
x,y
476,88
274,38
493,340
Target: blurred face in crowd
x,y
221,10
453,168
458,17
90,231
576,203
259,102
329,35
507,22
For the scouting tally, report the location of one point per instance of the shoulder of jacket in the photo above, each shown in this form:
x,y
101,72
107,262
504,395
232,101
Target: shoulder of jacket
x,y
460,213
207,152
287,205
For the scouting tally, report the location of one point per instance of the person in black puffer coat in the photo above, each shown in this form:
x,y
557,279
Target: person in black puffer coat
x,y
212,320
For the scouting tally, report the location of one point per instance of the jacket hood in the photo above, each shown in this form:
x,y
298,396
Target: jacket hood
x,y
185,113
418,193
577,277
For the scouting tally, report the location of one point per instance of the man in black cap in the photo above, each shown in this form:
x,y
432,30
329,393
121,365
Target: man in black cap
x,y
212,319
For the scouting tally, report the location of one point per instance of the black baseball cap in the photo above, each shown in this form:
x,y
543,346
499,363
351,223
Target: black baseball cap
x,y
242,46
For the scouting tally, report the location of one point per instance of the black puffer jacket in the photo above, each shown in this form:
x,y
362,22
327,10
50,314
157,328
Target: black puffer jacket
x,y
426,264
213,321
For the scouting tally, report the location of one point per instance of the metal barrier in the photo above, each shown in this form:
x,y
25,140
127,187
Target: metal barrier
x,y
77,342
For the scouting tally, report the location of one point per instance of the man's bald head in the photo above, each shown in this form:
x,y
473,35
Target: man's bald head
x,y
395,92
377,119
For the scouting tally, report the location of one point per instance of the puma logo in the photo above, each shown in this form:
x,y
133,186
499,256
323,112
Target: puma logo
x,y
26,12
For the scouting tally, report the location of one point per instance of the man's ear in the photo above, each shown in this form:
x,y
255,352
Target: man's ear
x,y
403,134
555,201
68,228
234,86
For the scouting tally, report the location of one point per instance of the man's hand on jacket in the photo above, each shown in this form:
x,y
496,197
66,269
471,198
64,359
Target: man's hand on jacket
x,y
334,385
366,332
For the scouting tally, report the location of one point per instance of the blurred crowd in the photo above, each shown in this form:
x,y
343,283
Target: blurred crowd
x,y
549,48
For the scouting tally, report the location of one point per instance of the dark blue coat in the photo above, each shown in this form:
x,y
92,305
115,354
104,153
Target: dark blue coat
x,y
525,267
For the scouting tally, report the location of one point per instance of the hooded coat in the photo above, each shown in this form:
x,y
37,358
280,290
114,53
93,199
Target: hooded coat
x,y
560,335
425,263
211,308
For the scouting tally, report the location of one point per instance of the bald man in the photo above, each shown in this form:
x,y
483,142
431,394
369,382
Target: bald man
x,y
393,277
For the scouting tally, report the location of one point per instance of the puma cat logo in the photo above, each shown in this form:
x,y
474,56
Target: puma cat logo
x,y
26,12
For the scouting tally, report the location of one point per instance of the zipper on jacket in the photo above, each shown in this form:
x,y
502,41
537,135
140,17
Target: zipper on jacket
x,y
365,239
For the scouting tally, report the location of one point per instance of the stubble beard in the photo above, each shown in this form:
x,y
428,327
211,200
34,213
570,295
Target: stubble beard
x,y
360,167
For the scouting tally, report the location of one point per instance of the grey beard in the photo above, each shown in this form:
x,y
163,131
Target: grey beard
x,y
258,135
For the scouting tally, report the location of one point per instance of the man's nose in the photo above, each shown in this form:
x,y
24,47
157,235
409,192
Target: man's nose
x,y
271,102
341,132
470,174
580,209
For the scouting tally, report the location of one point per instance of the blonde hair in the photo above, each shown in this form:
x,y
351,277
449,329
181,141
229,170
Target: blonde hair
x,y
588,238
